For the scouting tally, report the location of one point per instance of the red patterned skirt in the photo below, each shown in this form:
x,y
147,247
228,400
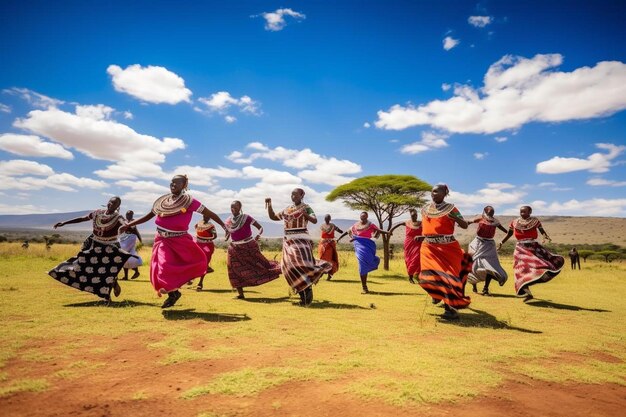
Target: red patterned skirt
x,y
298,265
247,267
327,251
533,264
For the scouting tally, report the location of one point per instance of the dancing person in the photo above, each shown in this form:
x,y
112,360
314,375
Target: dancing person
x,y
94,269
298,265
205,235
128,242
486,265
175,256
362,234
412,244
247,267
327,247
574,258
444,264
532,263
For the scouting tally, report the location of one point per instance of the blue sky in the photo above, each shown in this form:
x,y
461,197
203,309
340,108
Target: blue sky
x,y
508,103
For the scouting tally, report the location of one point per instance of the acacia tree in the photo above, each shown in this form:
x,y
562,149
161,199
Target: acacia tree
x,y
387,196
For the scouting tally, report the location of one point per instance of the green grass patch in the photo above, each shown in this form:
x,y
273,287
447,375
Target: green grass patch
x,y
24,385
389,346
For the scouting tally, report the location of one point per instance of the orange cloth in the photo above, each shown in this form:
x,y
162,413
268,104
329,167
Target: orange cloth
x,y
444,265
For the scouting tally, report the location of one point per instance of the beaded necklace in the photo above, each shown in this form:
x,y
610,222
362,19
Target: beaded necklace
x,y
103,222
413,225
234,223
525,224
201,226
171,205
327,228
361,226
434,210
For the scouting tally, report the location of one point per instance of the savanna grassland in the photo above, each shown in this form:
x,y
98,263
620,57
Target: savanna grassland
x,y
63,352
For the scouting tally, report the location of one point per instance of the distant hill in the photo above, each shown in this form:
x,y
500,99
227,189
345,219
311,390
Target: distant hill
x,y
562,229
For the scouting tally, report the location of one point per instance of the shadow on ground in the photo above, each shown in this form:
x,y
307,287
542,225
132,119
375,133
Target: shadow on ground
x,y
111,304
190,314
327,304
222,291
483,319
265,300
383,293
557,306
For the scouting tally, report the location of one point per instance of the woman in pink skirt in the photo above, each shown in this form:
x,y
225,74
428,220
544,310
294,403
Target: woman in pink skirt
x,y
176,258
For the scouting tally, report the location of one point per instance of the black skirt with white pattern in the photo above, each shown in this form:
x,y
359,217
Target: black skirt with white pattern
x,y
94,269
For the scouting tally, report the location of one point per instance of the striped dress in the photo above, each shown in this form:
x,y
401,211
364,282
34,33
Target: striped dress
x,y
444,265
299,267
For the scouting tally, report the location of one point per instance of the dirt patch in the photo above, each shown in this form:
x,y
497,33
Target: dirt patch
x,y
128,381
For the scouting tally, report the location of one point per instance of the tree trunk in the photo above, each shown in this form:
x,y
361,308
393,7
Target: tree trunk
x,y
386,252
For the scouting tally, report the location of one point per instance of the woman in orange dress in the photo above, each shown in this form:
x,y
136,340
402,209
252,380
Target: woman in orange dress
x,y
327,248
444,264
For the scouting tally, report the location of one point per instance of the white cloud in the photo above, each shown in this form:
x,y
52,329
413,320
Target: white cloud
x,y
313,167
494,194
222,101
199,175
449,42
501,139
591,207
517,91
18,174
430,141
30,145
34,98
275,21
600,182
271,176
145,186
135,154
446,86
17,167
366,125
128,115
479,21
22,209
597,162
230,119
480,155
151,84
500,185
4,108
97,112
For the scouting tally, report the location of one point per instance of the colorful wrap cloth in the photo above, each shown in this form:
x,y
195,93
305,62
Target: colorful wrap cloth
x,y
94,269
327,251
486,262
412,250
444,272
175,261
365,251
298,265
128,241
207,247
533,264
247,267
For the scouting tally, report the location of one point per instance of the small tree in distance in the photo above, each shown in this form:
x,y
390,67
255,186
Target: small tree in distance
x,y
387,196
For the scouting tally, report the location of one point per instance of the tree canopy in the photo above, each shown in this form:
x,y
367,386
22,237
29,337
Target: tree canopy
x,y
387,196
